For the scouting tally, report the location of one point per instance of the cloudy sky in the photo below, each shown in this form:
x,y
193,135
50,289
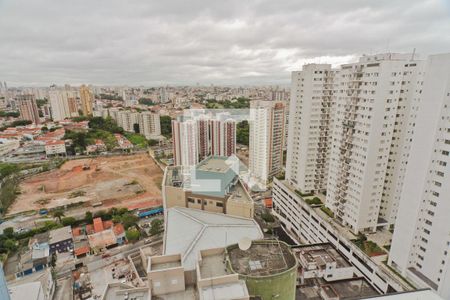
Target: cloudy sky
x,y
188,41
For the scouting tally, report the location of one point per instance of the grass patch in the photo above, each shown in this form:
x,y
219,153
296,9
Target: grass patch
x,y
137,139
368,247
328,211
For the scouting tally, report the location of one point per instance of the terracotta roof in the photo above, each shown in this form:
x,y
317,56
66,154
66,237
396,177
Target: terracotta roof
x,y
76,231
82,250
89,229
118,229
51,143
98,225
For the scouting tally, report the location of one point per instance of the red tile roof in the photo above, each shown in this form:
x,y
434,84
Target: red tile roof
x,y
82,250
118,229
76,231
98,225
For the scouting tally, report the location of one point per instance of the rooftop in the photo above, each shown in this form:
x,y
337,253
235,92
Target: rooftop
x,y
263,258
232,290
60,234
190,230
320,255
355,288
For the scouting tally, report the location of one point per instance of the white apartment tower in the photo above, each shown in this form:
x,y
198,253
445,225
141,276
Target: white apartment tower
x,y
371,102
267,121
149,124
308,144
127,120
421,242
185,142
348,135
63,104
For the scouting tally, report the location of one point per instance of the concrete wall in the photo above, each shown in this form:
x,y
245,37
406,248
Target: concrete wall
x,y
168,280
240,209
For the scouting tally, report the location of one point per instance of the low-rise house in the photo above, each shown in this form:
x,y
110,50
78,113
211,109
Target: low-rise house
x,y
104,235
123,142
8,145
61,240
98,146
55,148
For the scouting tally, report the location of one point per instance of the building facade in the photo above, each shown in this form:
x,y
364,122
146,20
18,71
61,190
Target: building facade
x,y
267,132
421,241
87,100
63,104
28,108
308,146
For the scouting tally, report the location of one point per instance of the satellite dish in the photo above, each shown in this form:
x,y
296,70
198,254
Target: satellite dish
x,y
245,243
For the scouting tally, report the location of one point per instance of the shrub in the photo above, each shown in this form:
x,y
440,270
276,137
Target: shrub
x,y
132,235
314,201
328,211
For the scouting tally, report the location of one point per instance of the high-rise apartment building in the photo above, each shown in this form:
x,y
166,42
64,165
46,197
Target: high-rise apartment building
x,y
128,120
28,108
185,142
87,100
202,136
266,141
371,106
223,135
348,135
63,104
421,241
308,146
149,124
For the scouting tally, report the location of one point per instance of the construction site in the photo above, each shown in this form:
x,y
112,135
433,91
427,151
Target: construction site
x,y
107,181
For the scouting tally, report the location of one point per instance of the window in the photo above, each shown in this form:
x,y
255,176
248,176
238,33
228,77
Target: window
x,y
219,204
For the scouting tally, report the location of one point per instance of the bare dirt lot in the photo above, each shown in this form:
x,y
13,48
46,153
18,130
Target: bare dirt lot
x,y
116,181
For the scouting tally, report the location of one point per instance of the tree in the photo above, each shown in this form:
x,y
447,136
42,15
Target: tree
x,y
243,133
10,245
20,123
157,226
132,235
128,220
88,217
8,232
68,221
152,142
58,214
166,125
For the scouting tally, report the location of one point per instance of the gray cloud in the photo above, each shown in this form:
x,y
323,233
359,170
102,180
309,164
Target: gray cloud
x,y
224,42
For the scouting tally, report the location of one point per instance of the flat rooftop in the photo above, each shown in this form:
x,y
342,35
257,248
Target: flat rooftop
x,y
235,290
263,258
356,288
190,230
213,266
215,164
321,254
165,265
239,194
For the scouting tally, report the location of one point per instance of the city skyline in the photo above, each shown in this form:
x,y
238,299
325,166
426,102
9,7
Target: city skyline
x,y
178,43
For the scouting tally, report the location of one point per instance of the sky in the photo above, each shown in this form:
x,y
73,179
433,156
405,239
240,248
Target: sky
x,y
184,42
